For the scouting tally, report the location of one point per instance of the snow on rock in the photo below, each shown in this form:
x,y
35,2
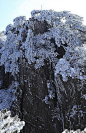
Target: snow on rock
x,y
7,96
19,21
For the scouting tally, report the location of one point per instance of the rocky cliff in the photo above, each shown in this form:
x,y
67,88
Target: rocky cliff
x,y
43,71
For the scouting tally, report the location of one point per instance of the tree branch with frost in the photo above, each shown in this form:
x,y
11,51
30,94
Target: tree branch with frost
x,y
72,131
10,124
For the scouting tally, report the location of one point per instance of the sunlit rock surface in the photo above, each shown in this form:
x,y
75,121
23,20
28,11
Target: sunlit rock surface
x,y
43,71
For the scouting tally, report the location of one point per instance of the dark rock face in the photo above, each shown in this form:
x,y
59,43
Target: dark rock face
x,y
72,105
35,112
45,76
6,79
39,27
30,93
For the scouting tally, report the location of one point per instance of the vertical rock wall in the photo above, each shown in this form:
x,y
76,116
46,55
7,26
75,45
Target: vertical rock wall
x,y
71,102
35,112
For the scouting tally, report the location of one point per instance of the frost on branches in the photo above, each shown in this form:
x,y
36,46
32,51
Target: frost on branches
x,y
72,131
10,124
47,35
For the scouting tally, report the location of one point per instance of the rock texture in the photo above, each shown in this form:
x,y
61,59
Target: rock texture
x,y
43,71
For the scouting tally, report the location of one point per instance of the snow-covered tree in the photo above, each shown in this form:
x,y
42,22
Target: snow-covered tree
x,y
21,42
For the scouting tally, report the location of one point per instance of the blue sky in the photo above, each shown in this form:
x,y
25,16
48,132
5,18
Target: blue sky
x,y
10,9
